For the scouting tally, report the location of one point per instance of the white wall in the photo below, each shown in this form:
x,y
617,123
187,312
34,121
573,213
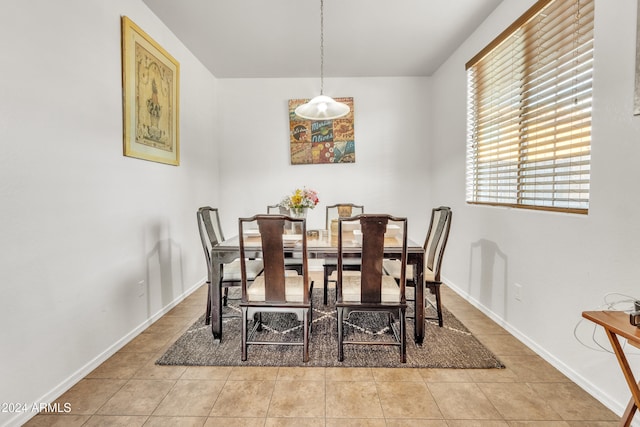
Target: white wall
x,y
565,263
391,137
80,224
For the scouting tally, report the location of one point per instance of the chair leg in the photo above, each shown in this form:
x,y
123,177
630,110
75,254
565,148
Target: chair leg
x,y
311,308
244,334
403,336
257,318
207,316
340,337
436,289
225,297
305,354
327,273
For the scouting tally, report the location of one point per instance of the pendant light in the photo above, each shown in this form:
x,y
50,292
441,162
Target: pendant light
x,y
322,107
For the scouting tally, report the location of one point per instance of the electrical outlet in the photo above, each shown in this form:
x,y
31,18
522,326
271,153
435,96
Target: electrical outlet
x,y
141,288
517,291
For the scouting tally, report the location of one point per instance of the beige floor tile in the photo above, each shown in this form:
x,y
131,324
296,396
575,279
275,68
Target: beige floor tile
x,y
294,422
50,420
408,422
89,395
297,399
407,400
353,399
206,373
477,423
506,375
593,423
169,325
445,375
484,326
539,424
504,345
533,368
151,371
518,401
116,421
189,311
244,399
355,422
137,397
121,365
253,373
147,342
190,397
175,421
463,401
349,374
390,374
573,403
301,373
234,422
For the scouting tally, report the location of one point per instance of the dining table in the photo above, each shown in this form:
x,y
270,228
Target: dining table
x,y
321,244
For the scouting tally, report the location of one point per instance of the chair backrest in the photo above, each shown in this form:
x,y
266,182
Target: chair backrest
x,y
277,209
342,210
268,234
436,240
383,236
210,230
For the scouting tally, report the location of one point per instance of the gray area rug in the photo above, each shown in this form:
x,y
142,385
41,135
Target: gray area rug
x,y
451,346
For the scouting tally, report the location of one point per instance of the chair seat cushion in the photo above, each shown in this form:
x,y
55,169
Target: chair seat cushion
x,y
392,268
345,261
334,274
231,270
294,288
390,292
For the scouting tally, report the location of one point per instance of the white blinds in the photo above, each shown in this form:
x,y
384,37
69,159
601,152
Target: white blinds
x,y
529,111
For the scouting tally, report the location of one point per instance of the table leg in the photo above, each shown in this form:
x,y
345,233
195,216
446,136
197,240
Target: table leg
x,y
628,375
216,297
419,306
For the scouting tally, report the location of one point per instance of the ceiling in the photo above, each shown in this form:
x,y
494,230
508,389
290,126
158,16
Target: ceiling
x,y
362,38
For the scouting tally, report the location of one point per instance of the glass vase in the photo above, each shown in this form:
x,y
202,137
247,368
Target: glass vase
x,y
299,212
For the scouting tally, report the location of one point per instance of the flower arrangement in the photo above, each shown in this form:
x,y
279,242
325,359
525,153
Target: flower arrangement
x,y
301,198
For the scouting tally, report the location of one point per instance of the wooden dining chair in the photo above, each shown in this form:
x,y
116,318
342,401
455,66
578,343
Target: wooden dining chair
x,y
291,260
277,290
434,246
211,235
277,209
333,213
370,289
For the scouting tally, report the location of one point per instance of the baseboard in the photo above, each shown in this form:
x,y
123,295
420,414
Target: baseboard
x,y
577,378
22,417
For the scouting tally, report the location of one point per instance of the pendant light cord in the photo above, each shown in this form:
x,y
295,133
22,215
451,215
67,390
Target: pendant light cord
x,y
321,47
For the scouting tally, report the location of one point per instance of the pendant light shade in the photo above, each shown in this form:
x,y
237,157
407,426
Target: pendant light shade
x,y
322,107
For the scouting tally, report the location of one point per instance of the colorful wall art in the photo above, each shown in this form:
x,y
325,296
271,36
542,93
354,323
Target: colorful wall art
x,y
321,141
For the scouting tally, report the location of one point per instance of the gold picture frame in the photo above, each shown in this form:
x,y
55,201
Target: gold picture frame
x,y
150,85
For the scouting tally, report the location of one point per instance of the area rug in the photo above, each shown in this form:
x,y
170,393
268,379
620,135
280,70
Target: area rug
x,y
451,346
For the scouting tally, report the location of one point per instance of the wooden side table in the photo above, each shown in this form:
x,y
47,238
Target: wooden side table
x,y
616,324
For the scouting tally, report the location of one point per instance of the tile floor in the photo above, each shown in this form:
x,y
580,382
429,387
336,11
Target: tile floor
x,y
130,390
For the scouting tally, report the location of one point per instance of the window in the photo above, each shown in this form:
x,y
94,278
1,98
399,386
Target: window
x,y
529,111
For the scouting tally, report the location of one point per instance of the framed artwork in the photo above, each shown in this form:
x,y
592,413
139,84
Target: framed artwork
x,y
150,82
321,141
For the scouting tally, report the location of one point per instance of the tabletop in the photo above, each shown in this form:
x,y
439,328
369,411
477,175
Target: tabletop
x,y
615,321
